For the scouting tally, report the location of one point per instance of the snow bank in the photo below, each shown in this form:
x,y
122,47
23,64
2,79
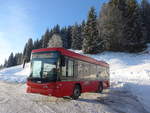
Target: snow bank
x,y
15,74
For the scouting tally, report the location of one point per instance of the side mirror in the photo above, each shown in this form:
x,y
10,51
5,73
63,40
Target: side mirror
x,y
62,60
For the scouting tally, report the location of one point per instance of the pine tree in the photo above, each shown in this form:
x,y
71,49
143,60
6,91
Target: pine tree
x,y
15,59
27,50
56,29
1,66
111,24
18,59
40,43
145,7
37,44
11,61
91,38
55,41
82,30
5,63
68,37
76,37
134,29
63,34
45,38
121,27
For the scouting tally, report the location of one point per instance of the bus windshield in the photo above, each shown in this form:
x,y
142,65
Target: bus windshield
x,y
44,66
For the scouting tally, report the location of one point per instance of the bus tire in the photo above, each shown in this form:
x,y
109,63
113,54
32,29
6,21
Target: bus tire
x,y
100,87
76,92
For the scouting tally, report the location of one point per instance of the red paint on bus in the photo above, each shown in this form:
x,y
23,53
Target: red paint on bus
x,y
64,88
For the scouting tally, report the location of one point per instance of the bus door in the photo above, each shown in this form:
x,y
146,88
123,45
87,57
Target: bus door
x,y
66,78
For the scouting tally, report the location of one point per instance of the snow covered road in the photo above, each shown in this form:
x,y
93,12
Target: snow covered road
x,y
14,99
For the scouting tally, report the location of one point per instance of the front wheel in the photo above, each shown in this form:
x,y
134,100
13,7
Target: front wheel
x,y
76,92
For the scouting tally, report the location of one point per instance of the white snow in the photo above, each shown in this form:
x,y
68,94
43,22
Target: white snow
x,y
15,74
128,73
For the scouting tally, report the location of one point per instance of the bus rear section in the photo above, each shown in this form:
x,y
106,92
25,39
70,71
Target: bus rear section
x,y
59,72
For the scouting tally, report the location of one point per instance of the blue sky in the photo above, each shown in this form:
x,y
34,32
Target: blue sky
x,y
22,19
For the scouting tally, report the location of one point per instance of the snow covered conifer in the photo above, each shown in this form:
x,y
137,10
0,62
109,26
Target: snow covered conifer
x,y
56,29
10,60
121,27
145,7
111,24
68,37
91,37
64,37
55,41
27,50
45,39
5,63
76,37
18,58
134,29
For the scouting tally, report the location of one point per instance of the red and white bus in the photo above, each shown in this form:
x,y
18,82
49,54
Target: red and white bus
x,y
59,72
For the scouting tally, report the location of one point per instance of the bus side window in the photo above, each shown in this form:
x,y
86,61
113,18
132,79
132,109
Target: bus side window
x,y
99,72
64,68
75,68
70,68
80,69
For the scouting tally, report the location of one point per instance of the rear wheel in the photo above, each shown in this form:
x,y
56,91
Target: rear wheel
x,y
76,92
100,87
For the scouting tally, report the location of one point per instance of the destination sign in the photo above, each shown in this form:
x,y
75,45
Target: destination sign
x,y
44,55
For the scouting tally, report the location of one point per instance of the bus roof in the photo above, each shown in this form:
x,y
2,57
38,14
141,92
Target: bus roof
x,y
73,55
